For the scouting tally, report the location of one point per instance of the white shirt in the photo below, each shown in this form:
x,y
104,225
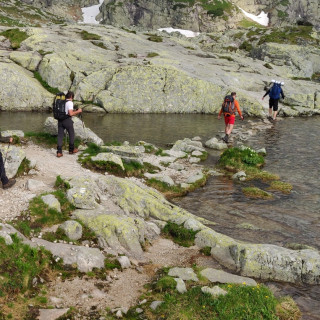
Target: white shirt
x,y
69,106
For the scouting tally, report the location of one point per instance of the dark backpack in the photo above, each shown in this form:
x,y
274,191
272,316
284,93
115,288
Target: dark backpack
x,y
59,107
275,91
228,105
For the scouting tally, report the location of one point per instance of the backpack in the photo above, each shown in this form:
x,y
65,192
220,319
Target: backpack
x,y
228,105
275,91
59,107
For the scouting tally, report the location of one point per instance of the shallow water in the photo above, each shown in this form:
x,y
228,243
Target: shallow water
x,y
293,152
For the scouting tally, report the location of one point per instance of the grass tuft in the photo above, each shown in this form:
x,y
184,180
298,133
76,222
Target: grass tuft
x,y
15,36
180,235
254,192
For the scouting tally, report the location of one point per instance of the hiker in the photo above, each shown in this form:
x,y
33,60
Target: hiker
x,y
6,183
68,125
228,109
274,96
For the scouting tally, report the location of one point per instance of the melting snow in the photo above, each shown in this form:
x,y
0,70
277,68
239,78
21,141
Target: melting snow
x,y
89,13
187,33
262,18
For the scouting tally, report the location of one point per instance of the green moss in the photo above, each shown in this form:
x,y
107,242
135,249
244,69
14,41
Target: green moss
x,y
280,186
15,36
100,45
254,192
180,235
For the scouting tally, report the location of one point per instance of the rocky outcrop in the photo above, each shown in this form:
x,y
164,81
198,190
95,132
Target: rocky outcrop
x,y
206,15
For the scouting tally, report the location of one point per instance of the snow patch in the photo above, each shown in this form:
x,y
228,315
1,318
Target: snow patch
x,y
89,13
262,18
186,33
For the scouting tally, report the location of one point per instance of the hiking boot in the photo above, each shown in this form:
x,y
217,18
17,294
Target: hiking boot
x,y
225,138
74,151
59,154
9,184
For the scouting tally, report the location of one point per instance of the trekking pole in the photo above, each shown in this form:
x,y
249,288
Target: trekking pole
x,y
5,159
84,128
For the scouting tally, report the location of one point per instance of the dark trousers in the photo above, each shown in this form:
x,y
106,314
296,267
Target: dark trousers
x,y
3,176
68,125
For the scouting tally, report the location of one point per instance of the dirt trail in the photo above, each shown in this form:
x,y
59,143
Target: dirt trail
x,y
16,199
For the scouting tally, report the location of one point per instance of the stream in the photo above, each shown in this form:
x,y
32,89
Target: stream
x,y
293,152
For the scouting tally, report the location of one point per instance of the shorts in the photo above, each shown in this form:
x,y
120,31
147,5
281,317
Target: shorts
x,y
229,119
273,103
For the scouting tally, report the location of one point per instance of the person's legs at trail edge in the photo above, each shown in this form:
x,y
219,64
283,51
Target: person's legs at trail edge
x,y
68,124
273,105
6,183
229,122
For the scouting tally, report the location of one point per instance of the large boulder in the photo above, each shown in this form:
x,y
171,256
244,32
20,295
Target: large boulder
x,y
119,232
81,131
85,259
262,261
20,91
13,156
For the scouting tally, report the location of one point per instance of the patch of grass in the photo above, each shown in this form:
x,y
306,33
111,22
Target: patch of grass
x,y
268,66
206,251
241,302
287,309
85,35
23,168
290,35
155,38
19,264
39,215
257,174
246,23
180,235
165,283
45,84
100,45
161,153
15,36
246,45
280,186
128,30
152,54
226,58
168,191
111,263
47,140
62,184
238,159
132,55
254,192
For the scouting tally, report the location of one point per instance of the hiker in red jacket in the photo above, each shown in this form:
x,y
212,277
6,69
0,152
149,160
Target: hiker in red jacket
x,y
229,107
